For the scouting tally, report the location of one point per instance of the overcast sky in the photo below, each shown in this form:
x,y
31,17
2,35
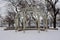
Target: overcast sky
x,y
4,7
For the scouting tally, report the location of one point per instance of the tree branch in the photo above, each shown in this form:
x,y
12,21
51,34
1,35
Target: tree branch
x,y
57,11
56,2
50,1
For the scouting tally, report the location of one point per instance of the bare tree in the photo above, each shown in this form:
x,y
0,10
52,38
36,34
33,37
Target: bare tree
x,y
51,7
10,18
19,6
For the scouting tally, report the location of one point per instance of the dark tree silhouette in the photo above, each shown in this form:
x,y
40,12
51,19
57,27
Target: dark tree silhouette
x,y
51,7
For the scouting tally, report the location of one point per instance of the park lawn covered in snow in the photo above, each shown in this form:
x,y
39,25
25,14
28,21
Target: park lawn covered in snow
x,y
29,35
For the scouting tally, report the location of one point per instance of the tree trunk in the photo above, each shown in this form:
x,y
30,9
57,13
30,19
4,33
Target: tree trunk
x,y
54,22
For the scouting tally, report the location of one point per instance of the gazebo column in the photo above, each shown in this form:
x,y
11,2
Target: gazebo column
x,y
24,20
38,23
46,23
16,22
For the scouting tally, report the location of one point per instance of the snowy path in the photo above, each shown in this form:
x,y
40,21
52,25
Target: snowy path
x,y
30,35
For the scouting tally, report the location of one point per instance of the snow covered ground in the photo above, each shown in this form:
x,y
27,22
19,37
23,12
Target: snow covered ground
x,y
29,35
